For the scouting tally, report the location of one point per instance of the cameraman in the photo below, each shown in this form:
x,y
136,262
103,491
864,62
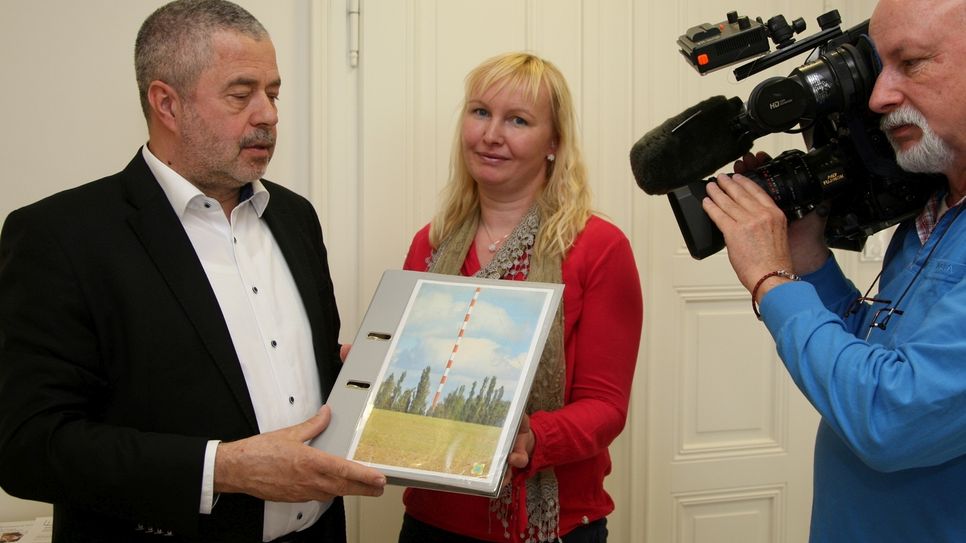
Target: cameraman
x,y
889,378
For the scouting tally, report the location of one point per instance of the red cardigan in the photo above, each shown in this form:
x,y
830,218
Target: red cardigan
x,y
603,313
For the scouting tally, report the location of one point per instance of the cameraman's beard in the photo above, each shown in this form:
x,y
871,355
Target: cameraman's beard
x,y
929,155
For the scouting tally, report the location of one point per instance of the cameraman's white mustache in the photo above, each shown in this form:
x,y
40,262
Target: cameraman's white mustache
x,y
905,114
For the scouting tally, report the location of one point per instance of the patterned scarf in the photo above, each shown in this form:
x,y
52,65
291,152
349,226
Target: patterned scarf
x,y
540,520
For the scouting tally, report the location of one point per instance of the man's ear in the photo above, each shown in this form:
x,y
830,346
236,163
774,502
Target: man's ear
x,y
166,104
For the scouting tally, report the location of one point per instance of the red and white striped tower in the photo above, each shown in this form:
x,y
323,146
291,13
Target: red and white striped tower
x,y
456,347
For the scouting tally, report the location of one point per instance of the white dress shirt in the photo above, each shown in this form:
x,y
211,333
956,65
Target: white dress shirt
x,y
265,317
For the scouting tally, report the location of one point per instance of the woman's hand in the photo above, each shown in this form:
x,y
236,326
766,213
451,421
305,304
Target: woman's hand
x,y
523,445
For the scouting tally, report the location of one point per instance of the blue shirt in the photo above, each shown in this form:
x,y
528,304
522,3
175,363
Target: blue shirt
x,y
890,455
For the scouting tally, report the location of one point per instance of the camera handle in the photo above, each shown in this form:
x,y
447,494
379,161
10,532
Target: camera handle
x,y
781,55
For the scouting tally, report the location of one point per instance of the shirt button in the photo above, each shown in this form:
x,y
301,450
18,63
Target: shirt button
x,y
274,344
255,290
298,516
584,519
291,400
207,205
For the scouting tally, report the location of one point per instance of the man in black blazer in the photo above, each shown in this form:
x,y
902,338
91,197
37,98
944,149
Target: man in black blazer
x,y
168,333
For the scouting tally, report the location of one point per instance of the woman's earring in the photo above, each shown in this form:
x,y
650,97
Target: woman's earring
x,y
551,157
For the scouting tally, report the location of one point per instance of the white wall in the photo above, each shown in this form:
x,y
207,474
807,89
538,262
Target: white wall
x,y
72,115
71,110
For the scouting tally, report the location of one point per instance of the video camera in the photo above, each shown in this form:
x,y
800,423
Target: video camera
x,y
849,169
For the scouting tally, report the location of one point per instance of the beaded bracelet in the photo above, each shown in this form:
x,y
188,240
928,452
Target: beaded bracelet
x,y
754,291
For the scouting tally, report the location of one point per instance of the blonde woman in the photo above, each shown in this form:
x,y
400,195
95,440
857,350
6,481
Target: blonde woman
x,y
517,207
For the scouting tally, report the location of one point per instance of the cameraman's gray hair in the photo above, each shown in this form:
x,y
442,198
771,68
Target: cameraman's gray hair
x,y
174,43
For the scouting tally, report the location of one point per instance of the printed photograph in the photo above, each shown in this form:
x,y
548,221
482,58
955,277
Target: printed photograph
x,y
451,377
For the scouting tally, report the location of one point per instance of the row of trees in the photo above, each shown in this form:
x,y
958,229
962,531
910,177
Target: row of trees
x,y
483,406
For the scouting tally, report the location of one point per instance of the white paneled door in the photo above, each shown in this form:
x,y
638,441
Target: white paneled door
x,y
718,444
717,447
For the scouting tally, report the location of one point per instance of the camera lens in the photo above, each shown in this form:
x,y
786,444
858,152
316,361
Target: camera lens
x,y
797,181
838,80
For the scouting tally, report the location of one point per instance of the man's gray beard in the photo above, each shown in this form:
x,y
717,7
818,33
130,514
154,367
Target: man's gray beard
x,y
929,155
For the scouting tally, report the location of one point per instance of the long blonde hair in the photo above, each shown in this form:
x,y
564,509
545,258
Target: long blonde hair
x,y
564,202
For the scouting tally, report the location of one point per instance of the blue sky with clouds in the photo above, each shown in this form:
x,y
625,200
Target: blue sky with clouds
x,y
497,339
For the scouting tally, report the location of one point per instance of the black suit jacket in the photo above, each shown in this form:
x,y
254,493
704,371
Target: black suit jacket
x,y
116,365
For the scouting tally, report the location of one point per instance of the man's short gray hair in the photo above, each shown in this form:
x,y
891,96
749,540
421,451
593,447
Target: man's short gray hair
x,y
174,43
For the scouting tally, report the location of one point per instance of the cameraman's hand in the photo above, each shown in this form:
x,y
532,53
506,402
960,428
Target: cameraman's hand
x,y
806,239
750,161
754,228
279,466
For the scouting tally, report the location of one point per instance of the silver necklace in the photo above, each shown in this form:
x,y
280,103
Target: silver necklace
x,y
513,257
493,244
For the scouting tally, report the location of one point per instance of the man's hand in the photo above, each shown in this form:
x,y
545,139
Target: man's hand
x,y
750,161
806,236
758,236
279,466
754,227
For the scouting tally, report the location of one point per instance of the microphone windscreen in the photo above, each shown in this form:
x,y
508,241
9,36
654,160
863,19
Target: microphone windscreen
x,y
690,146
